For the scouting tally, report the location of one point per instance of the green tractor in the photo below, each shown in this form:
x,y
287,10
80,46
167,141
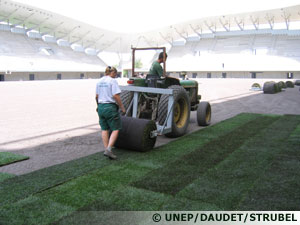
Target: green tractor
x,y
156,106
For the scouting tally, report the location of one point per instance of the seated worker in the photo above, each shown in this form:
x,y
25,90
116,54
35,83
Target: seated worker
x,y
156,68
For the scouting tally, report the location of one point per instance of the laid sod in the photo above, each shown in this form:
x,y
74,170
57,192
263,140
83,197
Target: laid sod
x,y
278,188
48,178
250,162
129,199
9,158
4,176
228,183
176,175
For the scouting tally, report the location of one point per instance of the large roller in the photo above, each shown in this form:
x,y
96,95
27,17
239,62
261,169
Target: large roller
x,y
136,134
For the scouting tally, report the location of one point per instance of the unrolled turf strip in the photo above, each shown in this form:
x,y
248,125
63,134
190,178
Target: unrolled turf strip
x,y
229,183
278,187
9,158
173,177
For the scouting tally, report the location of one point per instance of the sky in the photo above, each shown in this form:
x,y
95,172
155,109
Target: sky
x,y
131,16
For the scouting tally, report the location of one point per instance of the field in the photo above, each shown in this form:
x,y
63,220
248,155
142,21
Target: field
x,y
249,162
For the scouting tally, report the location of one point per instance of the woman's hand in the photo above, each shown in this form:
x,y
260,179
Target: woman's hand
x,y
123,110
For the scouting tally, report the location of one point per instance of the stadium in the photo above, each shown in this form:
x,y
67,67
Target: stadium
x,y
239,59
41,45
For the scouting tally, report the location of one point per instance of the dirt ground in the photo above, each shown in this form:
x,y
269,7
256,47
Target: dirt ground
x,y
55,121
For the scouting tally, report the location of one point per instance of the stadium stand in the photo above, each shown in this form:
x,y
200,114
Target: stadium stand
x,y
21,55
239,53
19,45
263,44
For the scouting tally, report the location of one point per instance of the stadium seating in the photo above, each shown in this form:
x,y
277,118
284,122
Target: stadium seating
x,y
14,46
260,52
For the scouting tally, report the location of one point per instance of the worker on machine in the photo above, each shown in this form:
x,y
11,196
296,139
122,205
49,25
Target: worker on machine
x,y
156,69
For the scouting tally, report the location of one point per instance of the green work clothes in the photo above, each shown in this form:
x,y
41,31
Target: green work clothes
x,y
156,69
109,117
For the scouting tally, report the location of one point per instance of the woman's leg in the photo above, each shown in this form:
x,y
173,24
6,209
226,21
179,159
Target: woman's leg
x,y
112,139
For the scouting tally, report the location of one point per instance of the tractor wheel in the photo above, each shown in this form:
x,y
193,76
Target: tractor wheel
x,y
181,111
126,98
136,134
204,114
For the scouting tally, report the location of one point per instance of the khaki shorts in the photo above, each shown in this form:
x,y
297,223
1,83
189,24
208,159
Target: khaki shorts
x,y
109,117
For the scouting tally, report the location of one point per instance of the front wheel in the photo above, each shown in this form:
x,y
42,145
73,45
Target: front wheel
x,y
204,114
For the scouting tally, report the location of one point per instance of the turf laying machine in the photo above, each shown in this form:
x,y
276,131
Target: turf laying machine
x,y
158,106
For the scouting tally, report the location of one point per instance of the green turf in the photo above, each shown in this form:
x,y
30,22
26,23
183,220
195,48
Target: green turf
x,y
129,199
176,175
47,178
73,194
250,162
4,176
33,210
278,188
228,183
9,158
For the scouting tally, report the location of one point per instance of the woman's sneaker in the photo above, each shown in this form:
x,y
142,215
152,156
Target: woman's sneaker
x,y
109,154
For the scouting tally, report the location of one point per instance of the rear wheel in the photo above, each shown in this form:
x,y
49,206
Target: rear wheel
x,y
126,98
181,111
204,114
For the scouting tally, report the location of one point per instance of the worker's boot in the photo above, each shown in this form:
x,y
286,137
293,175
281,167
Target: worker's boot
x,y
109,154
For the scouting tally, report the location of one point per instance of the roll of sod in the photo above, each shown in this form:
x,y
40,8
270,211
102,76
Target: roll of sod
x,y
289,84
284,84
271,87
256,85
281,84
278,87
136,134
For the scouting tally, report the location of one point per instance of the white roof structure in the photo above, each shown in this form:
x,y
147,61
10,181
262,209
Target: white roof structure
x,y
40,23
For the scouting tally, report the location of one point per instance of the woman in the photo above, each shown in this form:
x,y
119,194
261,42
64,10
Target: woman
x,y
108,101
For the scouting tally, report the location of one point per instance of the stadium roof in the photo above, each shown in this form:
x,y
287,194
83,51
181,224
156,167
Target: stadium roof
x,y
20,17
135,16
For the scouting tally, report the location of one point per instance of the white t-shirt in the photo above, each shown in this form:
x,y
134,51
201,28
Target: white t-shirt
x,y
106,88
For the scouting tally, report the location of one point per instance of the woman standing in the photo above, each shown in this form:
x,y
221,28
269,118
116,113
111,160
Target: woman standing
x,y
108,101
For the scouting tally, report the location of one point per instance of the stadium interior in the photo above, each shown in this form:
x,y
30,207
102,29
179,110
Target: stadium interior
x,y
224,137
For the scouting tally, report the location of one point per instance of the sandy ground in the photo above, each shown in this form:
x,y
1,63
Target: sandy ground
x,y
55,121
